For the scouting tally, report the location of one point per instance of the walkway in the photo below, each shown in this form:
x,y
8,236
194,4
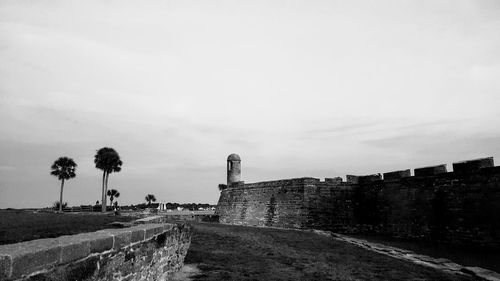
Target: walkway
x,y
437,263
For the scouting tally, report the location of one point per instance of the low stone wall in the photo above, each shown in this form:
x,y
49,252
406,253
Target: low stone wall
x,y
149,251
172,217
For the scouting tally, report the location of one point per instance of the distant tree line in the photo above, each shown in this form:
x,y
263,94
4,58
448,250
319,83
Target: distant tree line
x,y
169,206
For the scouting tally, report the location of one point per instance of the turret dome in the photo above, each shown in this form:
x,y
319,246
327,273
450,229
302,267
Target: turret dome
x,y
233,157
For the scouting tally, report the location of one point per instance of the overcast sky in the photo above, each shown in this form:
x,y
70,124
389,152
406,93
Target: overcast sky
x,y
296,88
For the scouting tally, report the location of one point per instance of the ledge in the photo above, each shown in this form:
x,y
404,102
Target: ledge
x,y
152,219
21,259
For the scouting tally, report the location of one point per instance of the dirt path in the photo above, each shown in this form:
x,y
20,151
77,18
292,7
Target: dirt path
x,y
402,254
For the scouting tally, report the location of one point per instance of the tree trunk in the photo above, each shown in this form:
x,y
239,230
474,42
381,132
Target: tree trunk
x,y
103,201
60,196
106,191
111,199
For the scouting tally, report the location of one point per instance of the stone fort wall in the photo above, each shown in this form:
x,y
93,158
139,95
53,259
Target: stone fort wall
x,y
459,207
152,250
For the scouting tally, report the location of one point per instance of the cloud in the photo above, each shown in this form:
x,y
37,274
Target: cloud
x,y
297,89
345,129
7,168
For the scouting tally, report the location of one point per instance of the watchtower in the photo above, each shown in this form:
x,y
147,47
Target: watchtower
x,y
233,169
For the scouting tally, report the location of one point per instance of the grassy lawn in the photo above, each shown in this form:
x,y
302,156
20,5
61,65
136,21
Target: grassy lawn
x,y
23,225
225,252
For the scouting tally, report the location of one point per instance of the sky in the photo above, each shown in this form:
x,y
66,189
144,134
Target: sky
x,y
296,88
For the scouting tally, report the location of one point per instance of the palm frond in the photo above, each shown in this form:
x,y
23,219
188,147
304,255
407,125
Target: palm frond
x,y
64,168
108,160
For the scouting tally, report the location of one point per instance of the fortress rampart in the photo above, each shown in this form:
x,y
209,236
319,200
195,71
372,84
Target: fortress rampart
x,y
459,207
152,250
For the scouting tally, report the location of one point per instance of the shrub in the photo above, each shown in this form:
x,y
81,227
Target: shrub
x,y
55,206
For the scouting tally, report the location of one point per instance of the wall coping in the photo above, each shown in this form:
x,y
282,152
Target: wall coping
x,y
24,258
282,182
151,219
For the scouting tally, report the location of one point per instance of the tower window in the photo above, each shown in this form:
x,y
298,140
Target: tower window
x,y
229,166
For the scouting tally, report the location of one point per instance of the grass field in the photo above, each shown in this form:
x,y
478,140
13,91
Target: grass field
x,y
23,225
225,252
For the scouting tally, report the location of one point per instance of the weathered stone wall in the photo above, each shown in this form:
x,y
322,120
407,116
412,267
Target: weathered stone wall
x,y
460,207
273,203
149,251
328,205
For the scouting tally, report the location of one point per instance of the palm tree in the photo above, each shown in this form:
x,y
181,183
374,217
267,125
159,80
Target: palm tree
x,y
64,168
113,193
150,198
57,204
107,160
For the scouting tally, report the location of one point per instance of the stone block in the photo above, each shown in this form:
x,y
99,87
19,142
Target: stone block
x,y
138,234
121,237
73,247
5,267
306,180
101,244
430,171
158,228
152,230
120,224
471,166
98,241
168,227
363,179
352,179
397,174
153,219
369,178
335,180
28,257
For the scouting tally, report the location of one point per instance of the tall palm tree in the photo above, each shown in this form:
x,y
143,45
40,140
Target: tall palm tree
x,y
113,193
64,168
107,160
150,198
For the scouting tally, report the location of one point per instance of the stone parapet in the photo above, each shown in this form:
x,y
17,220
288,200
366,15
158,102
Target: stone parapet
x,y
471,166
430,171
397,175
152,251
